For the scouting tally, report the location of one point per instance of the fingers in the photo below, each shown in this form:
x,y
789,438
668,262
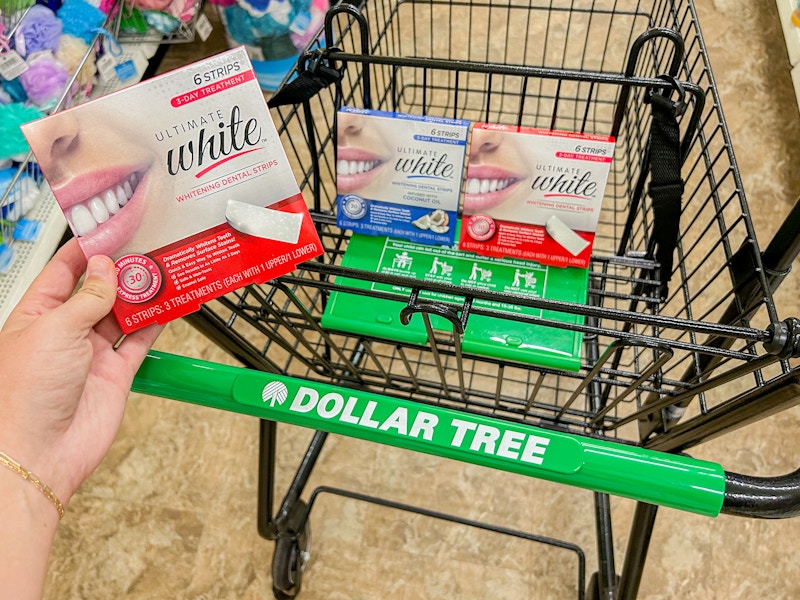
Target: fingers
x,y
95,297
136,345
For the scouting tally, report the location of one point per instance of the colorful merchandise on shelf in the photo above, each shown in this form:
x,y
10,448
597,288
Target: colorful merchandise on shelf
x,y
272,31
21,197
12,116
163,16
46,49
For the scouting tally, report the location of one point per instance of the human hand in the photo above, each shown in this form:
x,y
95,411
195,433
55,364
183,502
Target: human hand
x,y
64,386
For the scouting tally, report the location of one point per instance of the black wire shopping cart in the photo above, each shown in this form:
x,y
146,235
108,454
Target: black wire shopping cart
x,y
681,340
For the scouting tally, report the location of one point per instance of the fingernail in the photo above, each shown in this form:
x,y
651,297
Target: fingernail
x,y
96,267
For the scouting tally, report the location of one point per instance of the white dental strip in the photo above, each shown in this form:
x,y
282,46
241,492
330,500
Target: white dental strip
x,y
571,241
265,223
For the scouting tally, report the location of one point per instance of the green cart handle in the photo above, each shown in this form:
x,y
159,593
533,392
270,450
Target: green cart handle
x,y
649,476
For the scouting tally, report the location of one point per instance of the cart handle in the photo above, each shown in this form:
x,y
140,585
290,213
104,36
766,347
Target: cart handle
x,y
614,468
762,497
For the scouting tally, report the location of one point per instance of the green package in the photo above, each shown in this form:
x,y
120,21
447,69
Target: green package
x,y
485,336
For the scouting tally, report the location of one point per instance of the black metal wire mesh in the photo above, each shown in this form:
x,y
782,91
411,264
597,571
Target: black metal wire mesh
x,y
557,64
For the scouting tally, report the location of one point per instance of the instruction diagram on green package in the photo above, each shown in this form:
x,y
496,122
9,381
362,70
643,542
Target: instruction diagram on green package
x,y
449,266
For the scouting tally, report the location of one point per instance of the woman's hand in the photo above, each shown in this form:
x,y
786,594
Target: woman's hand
x,y
64,385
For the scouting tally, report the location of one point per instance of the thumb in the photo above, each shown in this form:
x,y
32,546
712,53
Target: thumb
x,y
96,295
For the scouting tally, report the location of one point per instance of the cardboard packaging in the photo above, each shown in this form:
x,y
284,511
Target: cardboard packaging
x,y
534,194
399,175
183,181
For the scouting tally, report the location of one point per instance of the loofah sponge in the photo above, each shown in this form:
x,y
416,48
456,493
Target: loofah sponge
x,y
12,142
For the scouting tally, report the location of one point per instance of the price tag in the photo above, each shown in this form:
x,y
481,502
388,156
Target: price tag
x,y
203,27
12,65
125,70
106,67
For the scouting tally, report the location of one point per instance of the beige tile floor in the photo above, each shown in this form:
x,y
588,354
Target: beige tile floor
x,y
171,512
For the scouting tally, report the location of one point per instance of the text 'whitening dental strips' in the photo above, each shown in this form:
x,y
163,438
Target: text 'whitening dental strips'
x,y
183,181
534,194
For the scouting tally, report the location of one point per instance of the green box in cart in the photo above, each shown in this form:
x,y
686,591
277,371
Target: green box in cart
x,y
497,337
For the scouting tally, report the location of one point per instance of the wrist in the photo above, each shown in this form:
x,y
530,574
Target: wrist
x,y
28,523
38,456
33,495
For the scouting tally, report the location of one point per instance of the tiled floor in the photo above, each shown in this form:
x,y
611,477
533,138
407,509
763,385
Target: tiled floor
x,y
171,512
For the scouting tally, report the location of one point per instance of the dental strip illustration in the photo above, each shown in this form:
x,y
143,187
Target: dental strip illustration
x,y
265,223
571,241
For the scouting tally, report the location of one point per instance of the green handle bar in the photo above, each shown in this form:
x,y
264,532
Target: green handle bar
x,y
654,477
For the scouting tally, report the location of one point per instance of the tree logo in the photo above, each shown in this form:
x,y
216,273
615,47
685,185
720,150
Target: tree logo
x,y
274,392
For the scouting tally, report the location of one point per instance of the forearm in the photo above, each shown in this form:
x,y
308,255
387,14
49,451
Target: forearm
x,y
27,527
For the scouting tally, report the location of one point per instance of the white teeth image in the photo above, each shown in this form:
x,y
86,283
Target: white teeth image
x,y
484,186
121,197
85,217
98,210
82,220
110,201
354,167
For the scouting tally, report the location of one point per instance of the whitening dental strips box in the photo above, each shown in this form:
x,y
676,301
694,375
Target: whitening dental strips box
x,y
183,181
398,174
534,194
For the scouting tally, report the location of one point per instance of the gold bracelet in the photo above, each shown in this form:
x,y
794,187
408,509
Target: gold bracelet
x,y
7,461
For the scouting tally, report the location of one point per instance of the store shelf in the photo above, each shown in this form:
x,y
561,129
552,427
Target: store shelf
x,y
790,32
32,256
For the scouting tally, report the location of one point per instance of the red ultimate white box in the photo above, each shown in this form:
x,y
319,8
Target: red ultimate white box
x,y
534,194
183,181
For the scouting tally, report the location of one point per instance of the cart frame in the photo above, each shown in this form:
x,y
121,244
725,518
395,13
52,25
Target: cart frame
x,y
661,371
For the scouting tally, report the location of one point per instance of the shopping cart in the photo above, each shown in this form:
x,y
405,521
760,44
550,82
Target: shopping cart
x,y
673,355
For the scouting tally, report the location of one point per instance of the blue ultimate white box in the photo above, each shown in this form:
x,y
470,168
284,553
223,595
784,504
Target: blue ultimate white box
x,y
399,175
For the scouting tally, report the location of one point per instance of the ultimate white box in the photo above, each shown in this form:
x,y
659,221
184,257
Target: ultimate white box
x,y
534,194
183,181
399,175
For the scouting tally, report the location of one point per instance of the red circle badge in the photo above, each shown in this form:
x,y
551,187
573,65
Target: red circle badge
x,y
481,227
138,278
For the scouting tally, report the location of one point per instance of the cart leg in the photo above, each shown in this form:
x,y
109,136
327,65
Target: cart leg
x,y
606,570
270,527
290,527
268,431
636,553
604,581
